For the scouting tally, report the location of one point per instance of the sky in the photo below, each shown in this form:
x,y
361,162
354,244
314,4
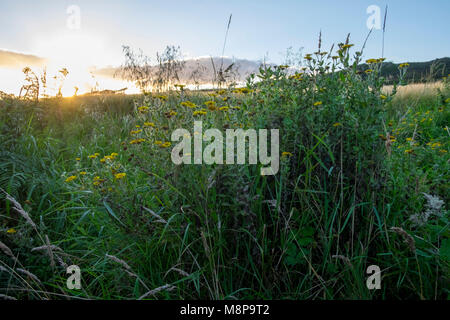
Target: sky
x,y
415,30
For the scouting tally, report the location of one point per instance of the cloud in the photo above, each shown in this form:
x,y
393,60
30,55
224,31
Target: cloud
x,y
201,69
17,60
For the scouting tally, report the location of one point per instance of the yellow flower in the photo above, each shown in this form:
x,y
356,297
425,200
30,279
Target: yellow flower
x,y
188,104
114,154
371,61
12,230
120,175
337,124
149,124
92,156
158,142
403,65
368,71
137,141
133,132
442,151
199,113
383,97
78,159
103,160
286,154
162,97
96,183
224,108
71,178
165,145
347,46
318,103
83,173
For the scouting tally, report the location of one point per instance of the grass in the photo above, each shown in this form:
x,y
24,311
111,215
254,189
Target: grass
x,y
360,161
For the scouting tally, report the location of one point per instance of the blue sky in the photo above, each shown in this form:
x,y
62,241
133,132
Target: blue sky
x,y
416,30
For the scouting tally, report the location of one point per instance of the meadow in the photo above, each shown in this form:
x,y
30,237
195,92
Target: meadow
x,y
363,180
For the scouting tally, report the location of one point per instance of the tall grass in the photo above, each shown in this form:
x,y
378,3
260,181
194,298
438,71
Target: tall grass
x,y
356,164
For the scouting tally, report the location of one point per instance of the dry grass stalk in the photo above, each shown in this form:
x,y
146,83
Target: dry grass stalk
x,y
205,243
5,297
181,272
50,252
160,219
344,259
18,208
119,261
8,251
29,274
47,247
409,240
166,287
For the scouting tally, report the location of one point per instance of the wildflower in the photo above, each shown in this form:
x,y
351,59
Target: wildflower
x,y
137,141
133,132
318,103
71,178
165,145
224,108
286,154
143,109
245,90
409,151
403,65
162,97
199,113
120,175
12,230
188,104
83,173
103,160
447,100
78,159
114,154
368,71
92,156
96,183
372,61
383,97
337,124
442,151
158,142
210,103
308,57
149,124
282,67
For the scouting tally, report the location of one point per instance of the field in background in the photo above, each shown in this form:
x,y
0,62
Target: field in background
x,y
363,181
